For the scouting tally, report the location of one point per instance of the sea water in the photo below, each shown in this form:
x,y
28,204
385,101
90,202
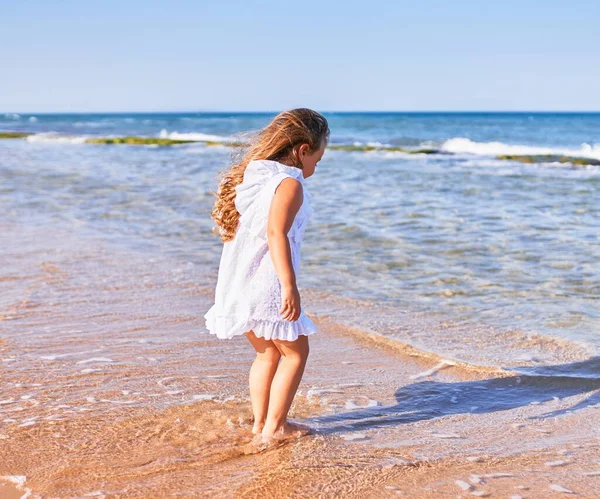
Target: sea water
x,y
501,253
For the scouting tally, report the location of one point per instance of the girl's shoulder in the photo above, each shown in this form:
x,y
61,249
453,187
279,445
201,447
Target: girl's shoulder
x,y
262,169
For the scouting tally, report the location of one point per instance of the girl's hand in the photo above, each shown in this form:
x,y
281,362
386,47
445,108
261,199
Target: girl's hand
x,y
290,303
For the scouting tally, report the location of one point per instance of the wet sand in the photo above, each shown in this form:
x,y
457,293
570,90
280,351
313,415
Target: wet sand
x,y
110,389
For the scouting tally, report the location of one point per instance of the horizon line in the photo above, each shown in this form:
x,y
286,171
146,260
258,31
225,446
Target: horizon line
x,y
489,111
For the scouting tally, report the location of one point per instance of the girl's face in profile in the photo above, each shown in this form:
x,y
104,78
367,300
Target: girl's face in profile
x,y
309,160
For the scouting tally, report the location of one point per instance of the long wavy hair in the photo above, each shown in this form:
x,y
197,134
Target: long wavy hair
x,y
278,141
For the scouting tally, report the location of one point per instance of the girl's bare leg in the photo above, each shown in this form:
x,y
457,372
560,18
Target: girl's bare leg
x,y
284,385
261,375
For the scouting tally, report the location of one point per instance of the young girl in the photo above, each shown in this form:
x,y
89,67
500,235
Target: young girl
x,y
261,212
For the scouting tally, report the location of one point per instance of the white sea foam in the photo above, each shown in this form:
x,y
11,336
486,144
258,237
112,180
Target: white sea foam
x,y
355,436
204,396
446,435
351,404
118,401
553,464
312,392
161,382
461,145
19,481
95,359
56,356
56,137
443,364
194,137
463,485
560,488
28,423
95,493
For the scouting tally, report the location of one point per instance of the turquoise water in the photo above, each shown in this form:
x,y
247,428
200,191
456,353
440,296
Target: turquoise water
x,y
460,235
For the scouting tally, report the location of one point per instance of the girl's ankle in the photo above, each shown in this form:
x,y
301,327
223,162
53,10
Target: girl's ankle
x,y
271,430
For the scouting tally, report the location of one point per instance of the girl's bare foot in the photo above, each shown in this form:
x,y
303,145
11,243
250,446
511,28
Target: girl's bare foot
x,y
257,428
298,429
289,430
261,442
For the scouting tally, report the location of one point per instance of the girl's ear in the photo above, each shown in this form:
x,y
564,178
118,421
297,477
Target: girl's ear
x,y
303,150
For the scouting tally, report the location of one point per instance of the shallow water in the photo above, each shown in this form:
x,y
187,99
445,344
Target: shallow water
x,y
110,390
498,249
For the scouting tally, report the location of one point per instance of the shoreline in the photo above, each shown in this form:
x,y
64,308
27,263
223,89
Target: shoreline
x,y
101,354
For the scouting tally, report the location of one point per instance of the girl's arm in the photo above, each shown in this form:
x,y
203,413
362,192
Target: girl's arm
x,y
284,207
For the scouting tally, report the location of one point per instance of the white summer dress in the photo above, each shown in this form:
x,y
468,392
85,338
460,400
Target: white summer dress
x,y
248,292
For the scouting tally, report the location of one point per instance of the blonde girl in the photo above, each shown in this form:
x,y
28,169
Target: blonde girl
x,y
261,212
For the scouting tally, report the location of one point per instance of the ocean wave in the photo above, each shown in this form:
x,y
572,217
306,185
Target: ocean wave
x,y
468,346
587,155
195,137
57,137
588,369
461,145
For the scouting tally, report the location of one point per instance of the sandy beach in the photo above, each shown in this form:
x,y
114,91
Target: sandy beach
x,y
109,390
435,169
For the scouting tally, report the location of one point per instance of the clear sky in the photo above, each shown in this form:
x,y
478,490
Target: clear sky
x,y
131,55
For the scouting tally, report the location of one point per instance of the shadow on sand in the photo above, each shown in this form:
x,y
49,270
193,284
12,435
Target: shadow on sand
x,y
433,399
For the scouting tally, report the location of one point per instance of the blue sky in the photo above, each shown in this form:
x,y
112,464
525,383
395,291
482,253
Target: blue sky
x,y
270,55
